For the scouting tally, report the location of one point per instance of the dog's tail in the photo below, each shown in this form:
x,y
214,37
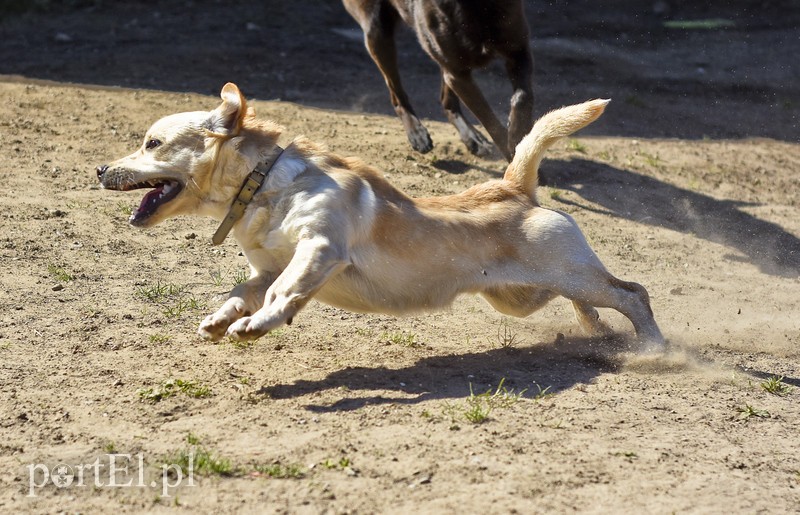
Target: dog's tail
x,y
524,169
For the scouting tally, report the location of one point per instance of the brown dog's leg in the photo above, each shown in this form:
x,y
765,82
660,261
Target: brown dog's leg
x,y
519,65
466,89
379,39
475,142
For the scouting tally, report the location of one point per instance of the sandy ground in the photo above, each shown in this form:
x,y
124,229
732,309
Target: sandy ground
x,y
688,185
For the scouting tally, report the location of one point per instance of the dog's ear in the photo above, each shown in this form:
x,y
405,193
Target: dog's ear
x,y
226,120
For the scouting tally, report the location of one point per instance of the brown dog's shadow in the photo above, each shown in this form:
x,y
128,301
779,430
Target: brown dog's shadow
x,y
455,167
555,366
637,197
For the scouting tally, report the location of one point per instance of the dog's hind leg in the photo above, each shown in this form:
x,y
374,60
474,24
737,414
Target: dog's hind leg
x,y
516,300
589,319
475,142
590,287
521,301
244,300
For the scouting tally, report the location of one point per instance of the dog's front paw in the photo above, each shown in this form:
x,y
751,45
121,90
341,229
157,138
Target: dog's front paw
x,y
213,327
248,328
420,139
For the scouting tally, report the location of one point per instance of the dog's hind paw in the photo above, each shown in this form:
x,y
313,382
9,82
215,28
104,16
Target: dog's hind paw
x,y
479,146
652,346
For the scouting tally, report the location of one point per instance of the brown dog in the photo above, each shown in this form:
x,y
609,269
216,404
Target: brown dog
x,y
461,36
316,225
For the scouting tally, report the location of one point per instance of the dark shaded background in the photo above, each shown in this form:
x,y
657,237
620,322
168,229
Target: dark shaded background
x,y
741,79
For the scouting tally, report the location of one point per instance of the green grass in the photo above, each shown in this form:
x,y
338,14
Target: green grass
x,y
159,291
59,273
280,471
652,160
341,463
542,393
181,306
240,276
556,193
201,461
477,408
241,344
402,338
776,386
747,411
173,298
124,208
172,387
159,338
576,146
361,331
217,277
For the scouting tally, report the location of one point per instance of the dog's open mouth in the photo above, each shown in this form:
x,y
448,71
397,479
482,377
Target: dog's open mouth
x,y
163,192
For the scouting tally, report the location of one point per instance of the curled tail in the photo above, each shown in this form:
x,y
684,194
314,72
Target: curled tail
x,y
524,169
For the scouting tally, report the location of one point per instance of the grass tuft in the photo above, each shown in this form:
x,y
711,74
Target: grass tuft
x,y
59,273
505,336
747,411
402,338
776,386
202,462
280,471
159,338
478,407
576,146
172,387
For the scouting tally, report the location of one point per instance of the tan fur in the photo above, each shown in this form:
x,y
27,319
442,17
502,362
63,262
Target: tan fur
x,y
524,168
333,228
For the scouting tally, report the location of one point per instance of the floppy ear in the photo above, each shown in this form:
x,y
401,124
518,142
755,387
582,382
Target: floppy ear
x,y
226,120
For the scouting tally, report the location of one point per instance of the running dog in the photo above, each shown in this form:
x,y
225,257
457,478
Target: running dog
x,y
461,36
313,224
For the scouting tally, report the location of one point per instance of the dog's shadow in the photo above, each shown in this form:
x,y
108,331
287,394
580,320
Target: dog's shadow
x,y
551,367
626,194
543,368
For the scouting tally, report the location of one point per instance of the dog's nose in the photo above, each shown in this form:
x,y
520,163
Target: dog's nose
x,y
101,170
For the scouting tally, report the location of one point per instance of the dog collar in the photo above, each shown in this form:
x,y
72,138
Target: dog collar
x,y
249,188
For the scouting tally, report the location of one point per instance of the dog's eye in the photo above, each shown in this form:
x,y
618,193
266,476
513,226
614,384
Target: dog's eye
x,y
151,144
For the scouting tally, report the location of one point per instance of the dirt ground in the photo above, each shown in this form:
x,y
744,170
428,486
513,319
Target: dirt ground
x,y
688,184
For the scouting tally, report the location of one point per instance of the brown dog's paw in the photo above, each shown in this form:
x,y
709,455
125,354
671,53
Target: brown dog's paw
x,y
478,145
420,139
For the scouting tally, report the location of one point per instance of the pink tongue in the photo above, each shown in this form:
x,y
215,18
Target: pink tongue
x,y
150,198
